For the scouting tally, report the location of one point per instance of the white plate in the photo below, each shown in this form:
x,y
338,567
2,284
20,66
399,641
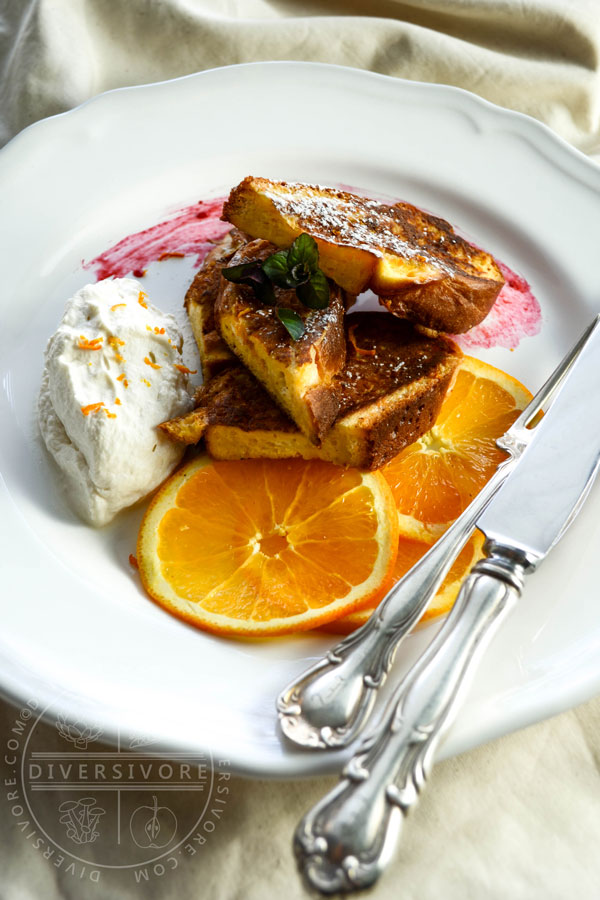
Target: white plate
x,y
75,623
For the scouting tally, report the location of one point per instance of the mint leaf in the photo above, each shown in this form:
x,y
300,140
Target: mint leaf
x,y
275,267
315,293
246,273
252,275
304,252
291,321
297,267
299,274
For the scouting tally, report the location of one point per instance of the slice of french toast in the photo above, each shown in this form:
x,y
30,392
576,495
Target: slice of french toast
x,y
233,398
200,304
418,266
389,392
297,373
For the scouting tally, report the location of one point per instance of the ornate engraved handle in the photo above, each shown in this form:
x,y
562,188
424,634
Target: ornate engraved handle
x,y
344,843
329,704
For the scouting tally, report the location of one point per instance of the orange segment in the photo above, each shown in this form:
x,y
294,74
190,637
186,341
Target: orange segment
x,y
435,479
262,547
410,552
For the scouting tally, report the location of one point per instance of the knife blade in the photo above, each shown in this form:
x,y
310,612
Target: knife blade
x,y
345,842
328,704
533,508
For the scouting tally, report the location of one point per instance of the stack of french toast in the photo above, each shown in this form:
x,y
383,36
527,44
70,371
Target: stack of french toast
x,y
353,388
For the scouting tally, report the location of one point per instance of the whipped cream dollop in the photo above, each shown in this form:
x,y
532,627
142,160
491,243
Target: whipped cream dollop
x,y
113,372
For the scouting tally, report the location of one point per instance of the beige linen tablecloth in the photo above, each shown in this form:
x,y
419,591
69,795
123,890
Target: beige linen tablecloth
x,y
537,56
519,818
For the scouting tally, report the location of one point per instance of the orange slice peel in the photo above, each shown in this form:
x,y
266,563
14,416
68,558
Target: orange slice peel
x,y
264,547
434,479
409,553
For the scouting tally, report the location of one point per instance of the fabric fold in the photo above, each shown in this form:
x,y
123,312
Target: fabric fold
x,y
539,57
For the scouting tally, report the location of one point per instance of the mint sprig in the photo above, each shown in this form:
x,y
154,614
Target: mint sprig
x,y
296,268
252,274
276,269
290,319
314,293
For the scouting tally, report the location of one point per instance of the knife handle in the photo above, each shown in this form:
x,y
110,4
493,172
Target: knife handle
x,y
345,841
328,705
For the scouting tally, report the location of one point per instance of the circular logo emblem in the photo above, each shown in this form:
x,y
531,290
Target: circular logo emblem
x,y
103,807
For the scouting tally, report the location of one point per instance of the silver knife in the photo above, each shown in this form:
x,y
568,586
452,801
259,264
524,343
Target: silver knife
x,y
328,705
345,841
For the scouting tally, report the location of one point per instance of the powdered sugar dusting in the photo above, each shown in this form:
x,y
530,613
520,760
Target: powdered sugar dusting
x,y
190,232
426,247
515,314
340,217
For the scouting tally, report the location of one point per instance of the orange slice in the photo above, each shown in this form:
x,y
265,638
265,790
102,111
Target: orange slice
x,y
410,552
435,479
262,547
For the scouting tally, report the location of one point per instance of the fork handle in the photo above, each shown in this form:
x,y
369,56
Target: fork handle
x,y
344,843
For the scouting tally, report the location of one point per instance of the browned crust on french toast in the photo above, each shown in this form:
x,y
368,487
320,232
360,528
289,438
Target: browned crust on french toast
x,y
385,354
392,386
390,393
462,297
200,302
190,427
297,374
233,397
414,261
405,420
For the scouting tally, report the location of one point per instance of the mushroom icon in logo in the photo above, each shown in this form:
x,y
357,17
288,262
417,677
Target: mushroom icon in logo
x,y
81,819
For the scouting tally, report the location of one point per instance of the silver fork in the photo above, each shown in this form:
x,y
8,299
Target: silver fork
x,y
328,705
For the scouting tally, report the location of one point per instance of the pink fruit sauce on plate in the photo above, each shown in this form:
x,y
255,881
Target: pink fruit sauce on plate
x,y
190,232
193,229
515,314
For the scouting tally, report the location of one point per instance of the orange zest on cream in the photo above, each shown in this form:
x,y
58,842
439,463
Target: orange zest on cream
x,y
94,344
115,343
99,421
92,408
